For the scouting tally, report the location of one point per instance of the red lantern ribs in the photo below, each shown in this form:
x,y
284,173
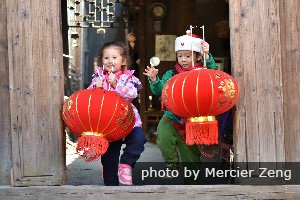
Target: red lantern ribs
x,y
199,95
97,117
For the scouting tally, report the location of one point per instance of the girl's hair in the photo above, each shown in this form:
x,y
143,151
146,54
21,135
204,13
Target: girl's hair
x,y
124,51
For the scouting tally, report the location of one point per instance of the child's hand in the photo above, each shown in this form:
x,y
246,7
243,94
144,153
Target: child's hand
x,y
95,69
151,72
205,47
99,83
205,50
112,79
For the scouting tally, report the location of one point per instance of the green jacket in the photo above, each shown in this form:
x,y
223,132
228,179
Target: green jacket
x,y
157,86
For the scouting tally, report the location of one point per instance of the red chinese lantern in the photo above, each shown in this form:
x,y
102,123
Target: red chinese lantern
x,y
199,95
97,117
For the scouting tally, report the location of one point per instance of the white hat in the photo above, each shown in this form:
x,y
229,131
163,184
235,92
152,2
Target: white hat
x,y
188,42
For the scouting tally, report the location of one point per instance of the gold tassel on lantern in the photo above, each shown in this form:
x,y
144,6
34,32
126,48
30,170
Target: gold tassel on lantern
x,y
202,130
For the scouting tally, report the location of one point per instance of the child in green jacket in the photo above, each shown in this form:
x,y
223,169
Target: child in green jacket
x,y
189,50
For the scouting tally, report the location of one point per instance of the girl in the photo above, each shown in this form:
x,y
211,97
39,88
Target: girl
x,y
112,75
170,125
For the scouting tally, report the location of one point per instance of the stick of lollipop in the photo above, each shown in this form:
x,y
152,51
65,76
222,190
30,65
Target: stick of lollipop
x,y
112,71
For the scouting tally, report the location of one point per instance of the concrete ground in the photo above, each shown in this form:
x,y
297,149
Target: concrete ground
x,y
150,192
80,172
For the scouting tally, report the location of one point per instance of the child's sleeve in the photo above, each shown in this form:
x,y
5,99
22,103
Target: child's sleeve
x,y
95,77
157,86
93,83
211,64
128,88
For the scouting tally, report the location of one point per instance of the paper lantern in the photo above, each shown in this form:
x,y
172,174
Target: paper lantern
x,y
97,117
199,95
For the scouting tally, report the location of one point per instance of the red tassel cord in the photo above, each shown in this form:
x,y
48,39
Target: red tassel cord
x,y
91,147
202,133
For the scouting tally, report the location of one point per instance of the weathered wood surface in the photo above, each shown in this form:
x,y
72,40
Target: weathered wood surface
x,y
290,40
5,144
265,61
36,95
151,192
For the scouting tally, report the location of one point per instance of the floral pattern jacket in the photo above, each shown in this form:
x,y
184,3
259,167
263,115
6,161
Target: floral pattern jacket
x,y
127,86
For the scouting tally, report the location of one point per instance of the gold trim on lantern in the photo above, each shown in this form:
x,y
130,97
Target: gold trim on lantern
x,y
100,111
77,111
182,95
164,95
212,93
69,104
66,119
130,117
89,107
202,119
67,115
197,92
92,133
129,120
117,104
173,92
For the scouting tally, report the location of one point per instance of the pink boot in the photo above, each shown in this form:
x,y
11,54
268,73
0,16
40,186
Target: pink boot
x,y
125,174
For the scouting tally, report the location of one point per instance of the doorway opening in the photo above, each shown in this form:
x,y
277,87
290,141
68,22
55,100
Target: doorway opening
x,y
82,44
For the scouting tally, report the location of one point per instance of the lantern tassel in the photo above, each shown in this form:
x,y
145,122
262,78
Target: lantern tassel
x,y
205,132
91,147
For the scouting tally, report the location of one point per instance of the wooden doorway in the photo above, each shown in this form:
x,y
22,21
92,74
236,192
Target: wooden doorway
x,y
264,59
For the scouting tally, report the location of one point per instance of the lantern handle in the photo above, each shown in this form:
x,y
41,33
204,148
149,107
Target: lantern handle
x,y
204,60
191,30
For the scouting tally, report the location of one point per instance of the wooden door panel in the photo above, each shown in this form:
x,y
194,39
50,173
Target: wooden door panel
x,y
5,143
36,95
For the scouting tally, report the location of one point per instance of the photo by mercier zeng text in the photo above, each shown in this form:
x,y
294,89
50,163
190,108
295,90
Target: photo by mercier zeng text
x,y
217,173
242,173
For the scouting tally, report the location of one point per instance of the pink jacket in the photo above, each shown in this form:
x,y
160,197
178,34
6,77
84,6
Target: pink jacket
x,y
127,86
